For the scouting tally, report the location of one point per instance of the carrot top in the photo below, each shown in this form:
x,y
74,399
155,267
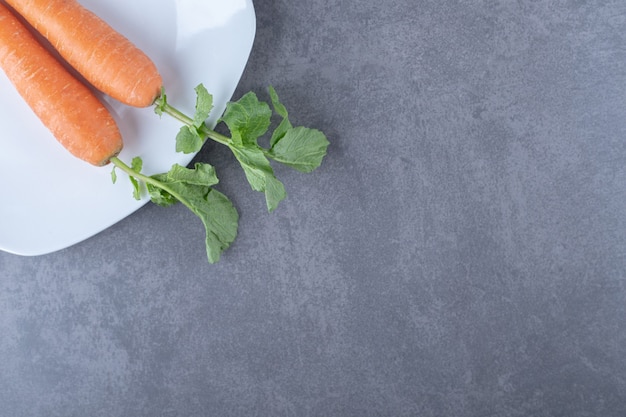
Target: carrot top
x,y
248,119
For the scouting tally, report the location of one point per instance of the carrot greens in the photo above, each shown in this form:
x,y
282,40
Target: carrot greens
x,y
192,188
248,119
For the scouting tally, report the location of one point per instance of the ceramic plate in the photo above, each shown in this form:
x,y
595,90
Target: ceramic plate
x,y
51,200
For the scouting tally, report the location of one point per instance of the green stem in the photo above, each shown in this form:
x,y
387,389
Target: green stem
x,y
183,118
148,180
121,165
206,132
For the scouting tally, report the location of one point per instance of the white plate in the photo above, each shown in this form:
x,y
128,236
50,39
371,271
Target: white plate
x,y
51,200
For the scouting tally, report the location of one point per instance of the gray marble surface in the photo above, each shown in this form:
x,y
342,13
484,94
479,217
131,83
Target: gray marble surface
x,y
461,252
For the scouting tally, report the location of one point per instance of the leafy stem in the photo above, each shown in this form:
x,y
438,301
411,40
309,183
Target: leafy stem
x,y
247,119
147,179
163,106
192,188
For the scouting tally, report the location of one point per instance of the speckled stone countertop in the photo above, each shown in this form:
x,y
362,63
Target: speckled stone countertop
x,y
461,252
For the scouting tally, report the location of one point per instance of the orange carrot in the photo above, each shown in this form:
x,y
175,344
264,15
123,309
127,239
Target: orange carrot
x,y
69,109
103,56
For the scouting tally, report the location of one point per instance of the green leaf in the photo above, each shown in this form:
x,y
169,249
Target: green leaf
x,y
220,220
204,105
248,119
201,174
280,132
280,109
300,148
159,196
260,175
188,140
192,188
136,188
113,175
274,192
136,165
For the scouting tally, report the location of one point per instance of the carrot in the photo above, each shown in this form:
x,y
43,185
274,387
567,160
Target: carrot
x,y
67,107
103,56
